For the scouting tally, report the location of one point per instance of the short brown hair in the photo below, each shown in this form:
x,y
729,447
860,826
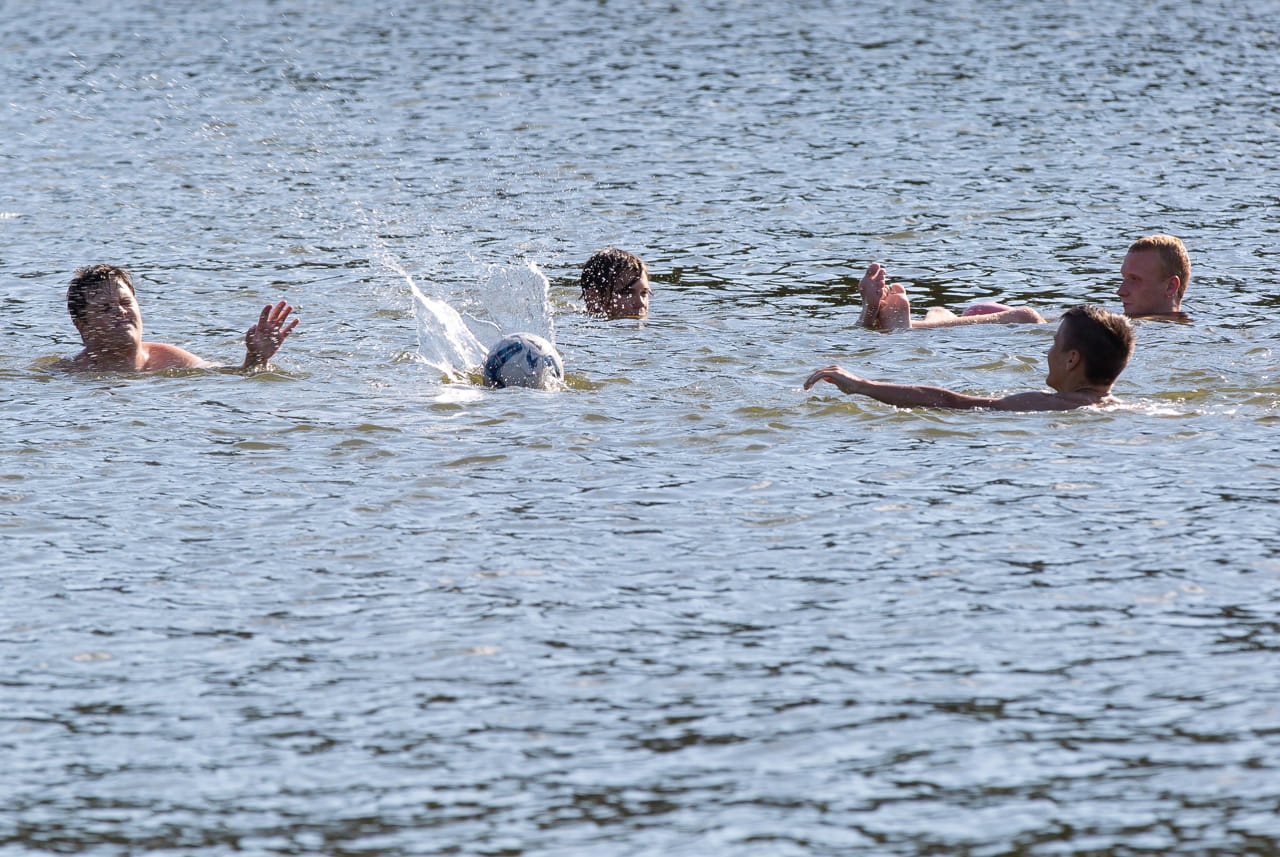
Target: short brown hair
x,y
1104,339
85,279
1173,258
609,270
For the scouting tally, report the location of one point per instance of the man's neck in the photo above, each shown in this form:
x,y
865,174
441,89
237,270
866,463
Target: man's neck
x,y
1087,392
1077,386
1171,315
122,359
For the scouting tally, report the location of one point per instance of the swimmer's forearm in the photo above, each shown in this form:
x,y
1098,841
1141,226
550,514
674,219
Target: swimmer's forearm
x,y
898,395
918,396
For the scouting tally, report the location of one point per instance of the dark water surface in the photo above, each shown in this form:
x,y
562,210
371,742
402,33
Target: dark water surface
x,y
683,608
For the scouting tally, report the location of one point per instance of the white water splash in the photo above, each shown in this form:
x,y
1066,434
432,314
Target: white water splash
x,y
508,299
517,299
444,339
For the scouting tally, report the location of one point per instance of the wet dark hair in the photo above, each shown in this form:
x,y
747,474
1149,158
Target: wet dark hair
x,y
610,270
1104,339
87,278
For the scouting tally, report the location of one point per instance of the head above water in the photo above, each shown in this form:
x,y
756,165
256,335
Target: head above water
x,y
1103,339
86,279
1154,276
615,284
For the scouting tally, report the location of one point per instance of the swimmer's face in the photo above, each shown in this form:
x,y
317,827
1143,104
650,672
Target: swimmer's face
x,y
111,316
1059,358
1145,289
632,300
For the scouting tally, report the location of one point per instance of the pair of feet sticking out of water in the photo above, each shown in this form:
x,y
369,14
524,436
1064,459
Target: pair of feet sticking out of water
x,y
886,307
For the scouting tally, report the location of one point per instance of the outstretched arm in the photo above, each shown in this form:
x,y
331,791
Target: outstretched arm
x,y
264,339
916,396
900,395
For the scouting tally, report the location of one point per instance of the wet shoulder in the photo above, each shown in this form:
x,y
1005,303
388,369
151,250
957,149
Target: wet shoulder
x,y
161,355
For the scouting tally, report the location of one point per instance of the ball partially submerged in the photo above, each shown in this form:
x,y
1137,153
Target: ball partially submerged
x,y
524,360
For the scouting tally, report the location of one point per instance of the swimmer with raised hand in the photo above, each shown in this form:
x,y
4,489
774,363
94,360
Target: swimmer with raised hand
x,y
105,311
1090,349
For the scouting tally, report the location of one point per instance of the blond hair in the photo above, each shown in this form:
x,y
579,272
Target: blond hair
x,y
1174,260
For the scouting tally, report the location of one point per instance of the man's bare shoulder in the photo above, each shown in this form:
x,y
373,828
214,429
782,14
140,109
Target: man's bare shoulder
x,y
152,357
1039,401
161,355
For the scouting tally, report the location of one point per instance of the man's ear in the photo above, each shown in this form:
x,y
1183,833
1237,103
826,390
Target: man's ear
x,y
1174,283
1073,358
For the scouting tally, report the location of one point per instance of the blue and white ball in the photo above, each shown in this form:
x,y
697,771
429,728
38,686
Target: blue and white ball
x,y
524,360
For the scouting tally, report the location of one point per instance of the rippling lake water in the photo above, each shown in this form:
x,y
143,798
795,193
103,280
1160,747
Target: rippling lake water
x,y
683,607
